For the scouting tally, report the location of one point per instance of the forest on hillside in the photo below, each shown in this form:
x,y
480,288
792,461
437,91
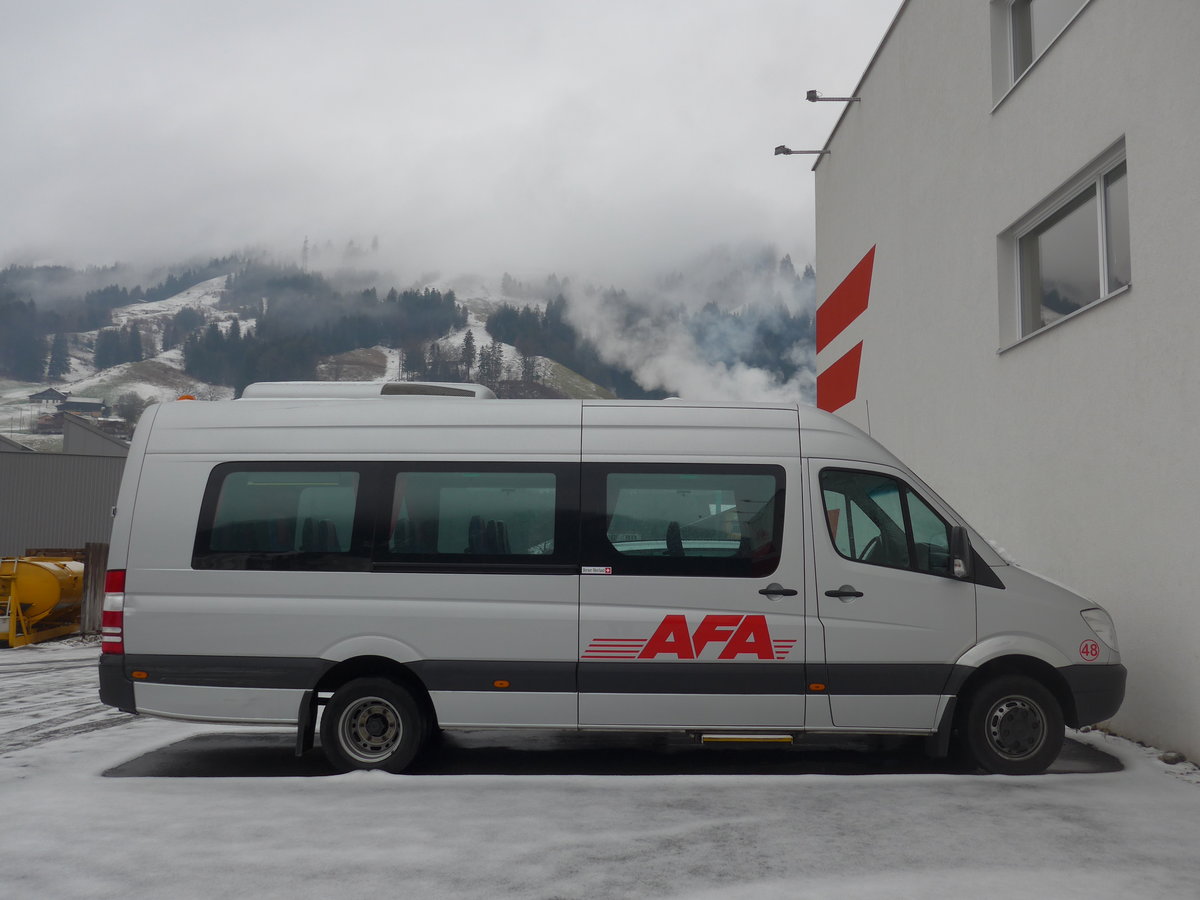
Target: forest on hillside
x,y
299,317
41,305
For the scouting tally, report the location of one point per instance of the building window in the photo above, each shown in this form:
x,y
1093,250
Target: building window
x,y
1034,25
1021,32
1076,251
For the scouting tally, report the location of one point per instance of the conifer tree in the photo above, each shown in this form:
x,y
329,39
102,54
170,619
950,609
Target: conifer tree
x,y
108,348
134,350
467,357
60,358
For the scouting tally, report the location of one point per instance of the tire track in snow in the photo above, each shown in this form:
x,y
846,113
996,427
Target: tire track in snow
x,y
45,699
32,735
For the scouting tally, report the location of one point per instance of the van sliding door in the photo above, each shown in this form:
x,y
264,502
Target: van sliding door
x,y
691,597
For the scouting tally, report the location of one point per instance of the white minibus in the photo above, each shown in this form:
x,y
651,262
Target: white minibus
x,y
387,564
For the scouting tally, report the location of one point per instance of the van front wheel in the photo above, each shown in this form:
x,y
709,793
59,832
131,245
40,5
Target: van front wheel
x,y
1014,726
372,723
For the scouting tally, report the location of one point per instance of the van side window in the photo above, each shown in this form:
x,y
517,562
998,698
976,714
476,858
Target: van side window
x,y
487,516
880,520
722,521
268,516
473,513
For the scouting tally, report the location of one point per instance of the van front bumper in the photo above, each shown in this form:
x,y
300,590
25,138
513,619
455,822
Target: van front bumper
x,y
1096,690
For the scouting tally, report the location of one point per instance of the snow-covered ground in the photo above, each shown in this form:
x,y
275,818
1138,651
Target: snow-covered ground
x,y
98,804
204,295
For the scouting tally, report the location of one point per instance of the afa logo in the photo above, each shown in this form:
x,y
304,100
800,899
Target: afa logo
x,y
730,637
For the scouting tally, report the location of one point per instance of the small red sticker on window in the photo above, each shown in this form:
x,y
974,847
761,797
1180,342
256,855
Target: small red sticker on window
x,y
1089,650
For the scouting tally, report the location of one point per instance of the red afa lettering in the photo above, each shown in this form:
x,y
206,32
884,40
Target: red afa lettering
x,y
741,635
752,637
671,638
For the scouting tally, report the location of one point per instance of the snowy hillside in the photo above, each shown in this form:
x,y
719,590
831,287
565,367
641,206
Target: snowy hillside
x,y
481,297
160,376
203,296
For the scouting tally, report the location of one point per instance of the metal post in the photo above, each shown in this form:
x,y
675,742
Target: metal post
x,y
94,567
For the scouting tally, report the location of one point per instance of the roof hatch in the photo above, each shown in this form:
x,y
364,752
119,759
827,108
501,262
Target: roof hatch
x,y
361,389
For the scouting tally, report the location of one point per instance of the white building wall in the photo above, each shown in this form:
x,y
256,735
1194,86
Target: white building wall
x,y
1075,448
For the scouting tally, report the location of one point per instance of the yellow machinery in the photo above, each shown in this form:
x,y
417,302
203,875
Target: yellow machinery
x,y
40,599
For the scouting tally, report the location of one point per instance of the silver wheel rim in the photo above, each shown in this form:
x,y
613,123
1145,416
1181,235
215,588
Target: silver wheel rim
x,y
370,729
1016,728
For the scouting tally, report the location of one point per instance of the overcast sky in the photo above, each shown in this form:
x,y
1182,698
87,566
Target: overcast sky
x,y
590,136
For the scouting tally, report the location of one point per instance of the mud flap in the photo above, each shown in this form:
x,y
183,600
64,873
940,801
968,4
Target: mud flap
x,y
937,745
306,723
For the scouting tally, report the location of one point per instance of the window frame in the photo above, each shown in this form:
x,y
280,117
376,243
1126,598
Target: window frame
x,y
1015,304
599,552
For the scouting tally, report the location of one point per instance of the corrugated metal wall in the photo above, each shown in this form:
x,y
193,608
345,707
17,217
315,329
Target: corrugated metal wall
x,y
82,437
56,500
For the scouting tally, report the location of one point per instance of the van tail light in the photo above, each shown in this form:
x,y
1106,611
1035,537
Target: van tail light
x,y
112,618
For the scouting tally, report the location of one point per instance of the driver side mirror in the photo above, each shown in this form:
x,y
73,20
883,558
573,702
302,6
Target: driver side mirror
x,y
960,553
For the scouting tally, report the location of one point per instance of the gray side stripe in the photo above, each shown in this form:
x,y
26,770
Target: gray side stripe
x,y
684,677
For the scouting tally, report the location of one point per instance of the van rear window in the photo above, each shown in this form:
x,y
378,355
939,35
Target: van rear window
x,y
260,517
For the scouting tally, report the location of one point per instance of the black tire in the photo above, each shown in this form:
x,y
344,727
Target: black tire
x,y
372,723
1014,726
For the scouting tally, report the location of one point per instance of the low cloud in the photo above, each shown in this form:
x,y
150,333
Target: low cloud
x,y
607,138
735,325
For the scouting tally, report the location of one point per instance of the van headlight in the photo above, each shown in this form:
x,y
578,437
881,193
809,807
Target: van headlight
x,y
1101,623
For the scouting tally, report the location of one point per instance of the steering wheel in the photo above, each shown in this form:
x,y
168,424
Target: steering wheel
x,y
872,545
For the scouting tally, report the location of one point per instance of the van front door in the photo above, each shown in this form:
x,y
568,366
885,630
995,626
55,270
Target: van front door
x,y
691,598
894,619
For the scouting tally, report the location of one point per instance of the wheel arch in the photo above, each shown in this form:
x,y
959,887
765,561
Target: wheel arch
x,y
1031,667
378,667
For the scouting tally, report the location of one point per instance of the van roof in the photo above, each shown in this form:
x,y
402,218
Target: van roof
x,y
366,423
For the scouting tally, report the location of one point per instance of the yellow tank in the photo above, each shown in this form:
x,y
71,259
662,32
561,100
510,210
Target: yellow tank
x,y
40,598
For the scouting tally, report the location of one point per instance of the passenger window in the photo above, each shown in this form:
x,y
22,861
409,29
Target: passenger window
x,y
472,515
266,517
724,521
880,520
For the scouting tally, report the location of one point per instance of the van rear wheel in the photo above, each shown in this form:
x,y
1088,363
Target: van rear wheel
x,y
372,723
1014,726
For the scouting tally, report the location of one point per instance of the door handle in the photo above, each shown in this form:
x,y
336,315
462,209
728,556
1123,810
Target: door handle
x,y
775,589
845,593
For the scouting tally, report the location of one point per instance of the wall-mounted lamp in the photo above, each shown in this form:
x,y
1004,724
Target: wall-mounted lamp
x,y
781,150
814,96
